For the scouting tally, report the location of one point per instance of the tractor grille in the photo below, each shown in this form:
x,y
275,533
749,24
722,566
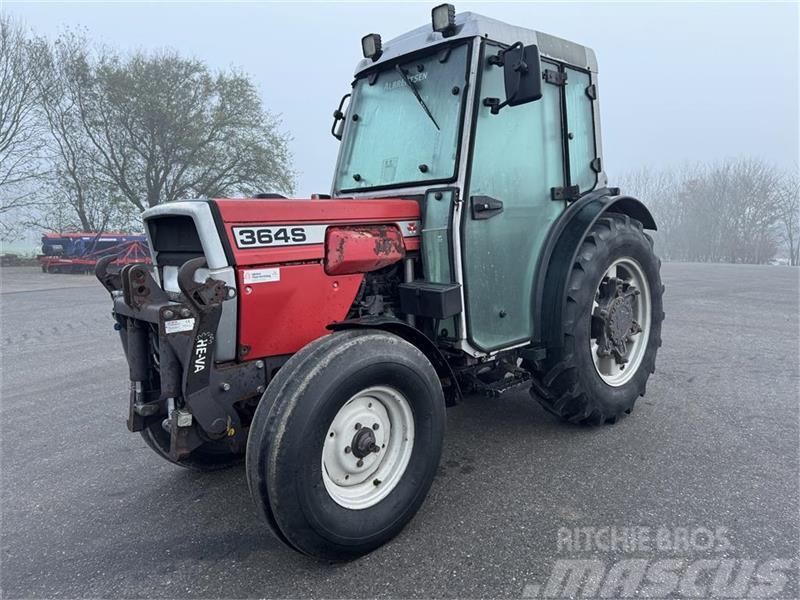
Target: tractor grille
x,y
174,239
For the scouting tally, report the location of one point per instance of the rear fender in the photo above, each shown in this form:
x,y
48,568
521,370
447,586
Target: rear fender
x,y
560,251
452,391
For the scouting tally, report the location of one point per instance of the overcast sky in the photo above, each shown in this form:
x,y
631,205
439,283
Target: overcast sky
x,y
679,81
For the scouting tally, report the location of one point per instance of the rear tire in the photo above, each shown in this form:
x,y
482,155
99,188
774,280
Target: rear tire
x,y
211,456
574,381
318,419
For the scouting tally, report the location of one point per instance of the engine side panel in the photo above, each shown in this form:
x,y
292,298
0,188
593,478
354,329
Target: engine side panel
x,y
283,308
278,246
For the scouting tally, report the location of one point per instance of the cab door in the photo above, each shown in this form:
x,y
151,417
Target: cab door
x,y
517,157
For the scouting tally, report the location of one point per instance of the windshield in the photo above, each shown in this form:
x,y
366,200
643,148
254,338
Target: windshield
x,y
403,127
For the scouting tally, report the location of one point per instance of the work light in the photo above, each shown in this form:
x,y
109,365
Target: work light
x,y
371,46
444,19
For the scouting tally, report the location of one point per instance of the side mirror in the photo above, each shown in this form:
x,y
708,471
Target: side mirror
x,y
522,75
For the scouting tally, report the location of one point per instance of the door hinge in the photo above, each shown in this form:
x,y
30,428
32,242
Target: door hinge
x,y
485,207
597,165
571,192
591,91
455,196
554,77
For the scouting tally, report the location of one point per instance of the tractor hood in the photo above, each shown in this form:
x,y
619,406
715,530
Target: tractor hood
x,y
259,231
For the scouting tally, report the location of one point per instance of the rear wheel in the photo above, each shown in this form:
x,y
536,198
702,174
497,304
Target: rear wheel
x,y
612,326
345,443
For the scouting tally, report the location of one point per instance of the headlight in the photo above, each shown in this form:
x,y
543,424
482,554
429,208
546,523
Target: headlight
x,y
371,46
444,19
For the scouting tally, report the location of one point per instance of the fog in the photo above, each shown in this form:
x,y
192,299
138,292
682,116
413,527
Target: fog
x,y
678,82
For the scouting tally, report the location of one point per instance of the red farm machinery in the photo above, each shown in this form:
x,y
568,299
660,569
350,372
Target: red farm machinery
x,y
79,252
470,243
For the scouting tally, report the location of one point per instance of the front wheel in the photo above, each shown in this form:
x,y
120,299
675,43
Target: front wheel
x,y
345,443
612,326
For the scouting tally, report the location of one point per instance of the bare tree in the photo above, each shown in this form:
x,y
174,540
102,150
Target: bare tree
x,y
750,193
76,181
789,215
21,139
666,195
722,212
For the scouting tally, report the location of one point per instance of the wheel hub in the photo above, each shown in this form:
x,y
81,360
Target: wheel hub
x,y
364,442
620,321
614,322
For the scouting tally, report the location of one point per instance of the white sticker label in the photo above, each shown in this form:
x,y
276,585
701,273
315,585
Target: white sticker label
x,y
267,236
263,236
179,325
262,275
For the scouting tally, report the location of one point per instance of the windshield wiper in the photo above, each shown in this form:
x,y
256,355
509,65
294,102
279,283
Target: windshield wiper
x,y
415,91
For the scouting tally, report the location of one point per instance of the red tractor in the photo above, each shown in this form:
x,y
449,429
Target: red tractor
x,y
470,244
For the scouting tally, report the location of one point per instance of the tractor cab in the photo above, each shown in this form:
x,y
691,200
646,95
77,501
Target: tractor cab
x,y
494,129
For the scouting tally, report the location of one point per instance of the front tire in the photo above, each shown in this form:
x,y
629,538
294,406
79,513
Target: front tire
x,y
611,323
345,443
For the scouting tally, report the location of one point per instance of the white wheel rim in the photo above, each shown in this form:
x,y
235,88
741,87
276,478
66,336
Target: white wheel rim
x,y
609,370
358,482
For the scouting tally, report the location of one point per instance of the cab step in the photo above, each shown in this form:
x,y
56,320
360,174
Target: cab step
x,y
493,384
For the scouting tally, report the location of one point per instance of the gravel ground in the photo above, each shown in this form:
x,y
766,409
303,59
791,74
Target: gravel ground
x,y
89,511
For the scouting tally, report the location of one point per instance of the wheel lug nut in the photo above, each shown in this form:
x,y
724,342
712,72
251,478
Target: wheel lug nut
x,y
358,426
375,427
347,450
360,463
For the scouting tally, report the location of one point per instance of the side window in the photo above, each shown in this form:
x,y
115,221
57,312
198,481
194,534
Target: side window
x,y
580,124
518,152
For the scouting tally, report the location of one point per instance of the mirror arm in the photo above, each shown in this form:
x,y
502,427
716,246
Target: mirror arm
x,y
338,115
498,59
494,104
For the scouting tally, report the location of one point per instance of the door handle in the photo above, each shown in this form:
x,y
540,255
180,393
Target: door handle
x,y
485,207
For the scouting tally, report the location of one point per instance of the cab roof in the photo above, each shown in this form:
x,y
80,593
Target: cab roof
x,y
469,25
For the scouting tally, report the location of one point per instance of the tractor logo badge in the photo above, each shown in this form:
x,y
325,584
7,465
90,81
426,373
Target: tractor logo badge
x,y
201,349
399,83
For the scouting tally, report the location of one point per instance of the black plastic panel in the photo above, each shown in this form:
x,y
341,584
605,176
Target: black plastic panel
x,y
434,300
